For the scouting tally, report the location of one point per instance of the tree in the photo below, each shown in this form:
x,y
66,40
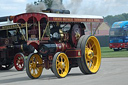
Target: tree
x,y
48,3
111,19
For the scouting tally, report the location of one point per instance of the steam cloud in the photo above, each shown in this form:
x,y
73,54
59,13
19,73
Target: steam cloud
x,y
93,7
41,6
35,8
96,7
57,5
88,6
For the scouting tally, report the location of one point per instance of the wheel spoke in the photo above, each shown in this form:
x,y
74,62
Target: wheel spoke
x,y
61,71
34,72
58,65
37,69
61,58
92,45
86,57
30,69
36,60
95,56
88,64
57,61
89,45
64,61
92,65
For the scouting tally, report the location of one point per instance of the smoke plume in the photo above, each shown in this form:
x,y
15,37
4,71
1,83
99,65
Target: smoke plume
x,y
93,7
35,8
56,4
96,7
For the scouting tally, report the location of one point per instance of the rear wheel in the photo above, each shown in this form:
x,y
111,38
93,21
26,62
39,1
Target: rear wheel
x,y
34,66
19,62
79,59
60,65
91,55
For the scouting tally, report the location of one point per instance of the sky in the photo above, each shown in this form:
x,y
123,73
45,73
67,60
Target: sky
x,y
13,7
93,7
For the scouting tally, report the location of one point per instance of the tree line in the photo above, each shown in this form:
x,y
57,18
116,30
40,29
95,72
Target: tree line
x,y
110,19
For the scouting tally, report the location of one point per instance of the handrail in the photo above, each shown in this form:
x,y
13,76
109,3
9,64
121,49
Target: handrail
x,y
45,30
21,32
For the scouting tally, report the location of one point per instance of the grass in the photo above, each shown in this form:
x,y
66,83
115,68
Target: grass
x,y
106,52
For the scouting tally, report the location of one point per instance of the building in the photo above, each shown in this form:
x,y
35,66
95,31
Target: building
x,y
103,29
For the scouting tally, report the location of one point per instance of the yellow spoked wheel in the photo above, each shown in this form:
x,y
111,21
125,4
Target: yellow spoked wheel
x,y
91,54
60,65
34,66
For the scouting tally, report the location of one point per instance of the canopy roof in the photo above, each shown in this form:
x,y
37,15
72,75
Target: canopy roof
x,y
72,16
7,26
54,17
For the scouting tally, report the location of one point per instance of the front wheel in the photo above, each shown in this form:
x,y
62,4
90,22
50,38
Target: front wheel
x,y
60,65
34,66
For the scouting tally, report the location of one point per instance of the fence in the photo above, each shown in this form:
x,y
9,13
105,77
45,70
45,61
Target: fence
x,y
104,40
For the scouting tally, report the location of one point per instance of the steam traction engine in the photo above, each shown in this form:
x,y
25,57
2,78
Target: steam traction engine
x,y
12,45
60,43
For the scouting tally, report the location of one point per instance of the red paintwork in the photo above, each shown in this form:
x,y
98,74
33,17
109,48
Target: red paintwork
x,y
2,47
58,19
117,45
45,38
61,47
73,53
27,16
34,43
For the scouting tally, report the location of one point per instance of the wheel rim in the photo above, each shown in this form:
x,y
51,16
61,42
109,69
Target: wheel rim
x,y
62,65
19,61
35,65
93,54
